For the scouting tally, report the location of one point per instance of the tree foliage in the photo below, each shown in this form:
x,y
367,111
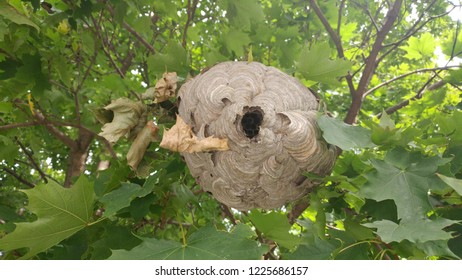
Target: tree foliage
x,y
389,69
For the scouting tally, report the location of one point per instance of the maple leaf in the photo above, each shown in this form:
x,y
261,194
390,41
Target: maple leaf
x,y
343,135
129,117
454,183
406,178
418,230
205,244
61,212
275,226
418,48
315,64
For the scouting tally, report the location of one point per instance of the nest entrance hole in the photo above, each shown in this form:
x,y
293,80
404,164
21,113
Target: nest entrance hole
x,y
251,121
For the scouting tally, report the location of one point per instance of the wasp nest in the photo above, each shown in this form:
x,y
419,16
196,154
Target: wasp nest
x,y
269,119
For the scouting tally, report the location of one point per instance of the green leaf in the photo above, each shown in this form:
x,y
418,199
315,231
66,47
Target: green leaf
x,y
167,8
381,210
60,213
214,56
241,13
8,149
454,151
418,48
140,207
453,45
183,195
121,197
174,59
357,231
438,248
344,136
113,237
454,183
275,226
236,40
417,230
405,178
10,13
315,64
6,107
318,249
386,132
63,70
455,76
205,244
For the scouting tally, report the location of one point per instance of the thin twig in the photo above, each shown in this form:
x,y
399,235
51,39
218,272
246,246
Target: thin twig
x,y
133,32
32,160
191,11
454,42
127,62
339,17
100,36
30,165
418,95
90,66
80,85
18,177
139,37
228,213
411,31
335,37
405,75
371,17
17,125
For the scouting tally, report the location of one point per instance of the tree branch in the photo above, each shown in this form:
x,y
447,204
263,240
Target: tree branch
x,y
405,75
30,165
191,11
46,122
127,62
418,95
133,32
297,210
32,160
414,28
104,43
17,125
94,134
56,132
139,37
335,37
228,213
339,17
371,63
90,66
18,177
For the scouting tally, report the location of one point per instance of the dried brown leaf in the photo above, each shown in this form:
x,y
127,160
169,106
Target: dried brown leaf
x,y
147,135
180,138
127,115
166,87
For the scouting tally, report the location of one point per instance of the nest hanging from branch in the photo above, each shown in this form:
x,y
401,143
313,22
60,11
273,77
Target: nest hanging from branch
x,y
269,120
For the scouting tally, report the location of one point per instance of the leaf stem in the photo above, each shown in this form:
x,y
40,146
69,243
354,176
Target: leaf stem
x,y
357,243
183,236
